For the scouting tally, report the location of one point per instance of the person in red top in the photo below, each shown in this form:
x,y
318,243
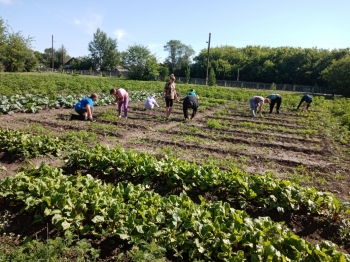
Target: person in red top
x,y
121,98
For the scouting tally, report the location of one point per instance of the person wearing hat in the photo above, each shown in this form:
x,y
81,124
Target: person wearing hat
x,y
307,99
169,94
274,99
151,102
190,102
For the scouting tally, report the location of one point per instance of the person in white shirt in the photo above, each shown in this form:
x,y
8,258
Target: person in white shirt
x,y
151,102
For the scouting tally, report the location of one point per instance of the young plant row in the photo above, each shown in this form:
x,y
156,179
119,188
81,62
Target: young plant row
x,y
211,231
20,144
262,190
30,103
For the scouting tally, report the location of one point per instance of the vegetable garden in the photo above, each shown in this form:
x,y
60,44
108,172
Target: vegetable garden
x,y
221,187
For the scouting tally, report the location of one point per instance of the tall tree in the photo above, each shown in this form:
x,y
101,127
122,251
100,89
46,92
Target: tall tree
x,y
337,74
180,55
103,51
142,64
17,54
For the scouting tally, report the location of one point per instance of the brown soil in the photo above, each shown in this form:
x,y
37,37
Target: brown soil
x,y
282,149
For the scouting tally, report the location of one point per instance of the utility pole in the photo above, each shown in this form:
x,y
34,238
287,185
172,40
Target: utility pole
x,y
52,54
238,76
62,57
206,79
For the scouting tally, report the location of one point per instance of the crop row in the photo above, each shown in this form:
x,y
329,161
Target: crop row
x,y
264,191
30,103
212,230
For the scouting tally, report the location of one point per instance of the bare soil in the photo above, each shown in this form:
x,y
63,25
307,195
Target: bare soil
x,y
282,148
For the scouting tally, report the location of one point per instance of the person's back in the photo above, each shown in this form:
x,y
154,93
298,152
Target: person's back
x,y
190,98
151,102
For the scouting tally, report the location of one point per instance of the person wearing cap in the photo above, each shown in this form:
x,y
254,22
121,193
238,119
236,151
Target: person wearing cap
x,y
273,99
307,99
169,94
190,102
256,103
85,108
151,102
192,93
121,99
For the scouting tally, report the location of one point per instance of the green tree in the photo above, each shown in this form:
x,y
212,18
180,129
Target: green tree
x,y
104,52
337,74
142,64
164,72
16,53
180,55
211,78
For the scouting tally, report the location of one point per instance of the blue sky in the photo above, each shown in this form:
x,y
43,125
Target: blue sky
x,y
299,23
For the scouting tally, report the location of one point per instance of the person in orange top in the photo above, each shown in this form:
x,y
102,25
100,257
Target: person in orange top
x,y
121,98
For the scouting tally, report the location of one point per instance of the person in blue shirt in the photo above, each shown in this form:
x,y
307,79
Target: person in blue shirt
x,y
275,99
307,99
85,108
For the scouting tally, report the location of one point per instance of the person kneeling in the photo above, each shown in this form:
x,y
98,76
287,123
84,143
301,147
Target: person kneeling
x,y
85,108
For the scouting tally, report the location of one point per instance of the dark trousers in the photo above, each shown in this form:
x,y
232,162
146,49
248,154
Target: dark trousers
x,y
278,102
306,101
81,115
189,106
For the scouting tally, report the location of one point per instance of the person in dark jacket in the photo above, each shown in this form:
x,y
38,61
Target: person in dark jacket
x,y
275,99
307,99
190,102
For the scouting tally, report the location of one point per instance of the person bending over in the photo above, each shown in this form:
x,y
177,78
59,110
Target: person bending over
x,y
275,99
307,99
190,102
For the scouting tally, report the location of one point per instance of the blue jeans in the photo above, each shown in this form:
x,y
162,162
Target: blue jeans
x,y
252,107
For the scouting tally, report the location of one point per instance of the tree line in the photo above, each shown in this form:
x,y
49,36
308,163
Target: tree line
x,y
287,65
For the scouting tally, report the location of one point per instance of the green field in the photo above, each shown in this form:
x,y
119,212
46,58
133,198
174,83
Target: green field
x,y
221,187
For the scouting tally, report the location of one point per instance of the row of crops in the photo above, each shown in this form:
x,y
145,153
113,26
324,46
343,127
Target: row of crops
x,y
206,230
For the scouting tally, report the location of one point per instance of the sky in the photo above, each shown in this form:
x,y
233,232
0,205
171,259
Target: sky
x,y
321,24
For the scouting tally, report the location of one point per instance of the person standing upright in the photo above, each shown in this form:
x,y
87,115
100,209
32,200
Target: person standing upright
x,y
122,99
169,94
307,99
275,99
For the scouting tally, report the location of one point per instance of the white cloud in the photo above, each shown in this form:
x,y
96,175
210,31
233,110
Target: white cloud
x,y
120,33
6,2
89,24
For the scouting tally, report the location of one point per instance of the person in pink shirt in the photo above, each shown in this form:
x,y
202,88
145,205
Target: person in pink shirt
x,y
121,98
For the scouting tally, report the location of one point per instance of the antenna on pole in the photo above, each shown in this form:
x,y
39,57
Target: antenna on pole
x,y
52,55
206,79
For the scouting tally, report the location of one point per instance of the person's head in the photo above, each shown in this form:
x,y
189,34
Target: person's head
x,y
172,77
94,96
267,100
113,91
